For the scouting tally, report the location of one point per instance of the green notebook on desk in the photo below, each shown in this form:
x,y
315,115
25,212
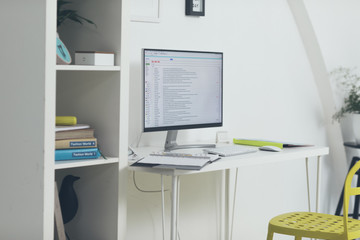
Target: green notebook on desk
x,y
260,143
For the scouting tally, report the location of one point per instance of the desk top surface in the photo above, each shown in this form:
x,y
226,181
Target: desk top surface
x,y
259,157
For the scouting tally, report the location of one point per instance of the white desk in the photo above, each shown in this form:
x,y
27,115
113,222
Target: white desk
x,y
260,157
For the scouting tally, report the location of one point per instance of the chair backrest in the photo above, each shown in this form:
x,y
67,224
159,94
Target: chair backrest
x,y
349,191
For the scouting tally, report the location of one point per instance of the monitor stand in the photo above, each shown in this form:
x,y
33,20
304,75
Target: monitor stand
x,y
171,144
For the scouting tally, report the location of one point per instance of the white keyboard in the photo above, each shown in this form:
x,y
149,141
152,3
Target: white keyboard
x,y
232,150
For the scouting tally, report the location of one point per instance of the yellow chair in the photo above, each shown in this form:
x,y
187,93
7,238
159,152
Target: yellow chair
x,y
318,225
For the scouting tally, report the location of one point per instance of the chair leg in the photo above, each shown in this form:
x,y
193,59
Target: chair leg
x,y
357,199
340,203
270,235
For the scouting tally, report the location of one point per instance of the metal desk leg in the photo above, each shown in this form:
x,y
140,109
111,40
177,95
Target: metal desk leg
x,y
307,183
223,205
317,184
163,206
233,204
174,204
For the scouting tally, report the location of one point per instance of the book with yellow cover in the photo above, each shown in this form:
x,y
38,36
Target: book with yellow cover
x,y
66,120
76,143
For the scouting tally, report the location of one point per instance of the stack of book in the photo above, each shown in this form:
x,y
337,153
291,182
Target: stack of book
x,y
74,141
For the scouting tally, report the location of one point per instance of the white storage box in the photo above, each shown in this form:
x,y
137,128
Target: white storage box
x,y
94,58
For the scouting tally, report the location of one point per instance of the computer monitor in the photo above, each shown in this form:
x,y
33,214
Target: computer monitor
x,y
182,90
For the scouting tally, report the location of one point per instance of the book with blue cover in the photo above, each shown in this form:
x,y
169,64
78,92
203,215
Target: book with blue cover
x,y
74,154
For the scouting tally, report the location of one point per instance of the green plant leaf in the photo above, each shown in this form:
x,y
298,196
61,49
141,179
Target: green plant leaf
x,y
75,18
351,84
68,14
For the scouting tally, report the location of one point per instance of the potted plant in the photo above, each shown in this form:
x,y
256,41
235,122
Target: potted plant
x,y
350,84
68,14
63,14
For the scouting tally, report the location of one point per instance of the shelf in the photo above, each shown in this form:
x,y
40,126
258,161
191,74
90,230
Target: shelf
x,y
84,163
87,68
96,95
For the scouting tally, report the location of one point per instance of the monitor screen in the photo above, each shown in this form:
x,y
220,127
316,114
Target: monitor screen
x,y
182,89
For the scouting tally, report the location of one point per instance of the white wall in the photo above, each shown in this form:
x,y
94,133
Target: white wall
x,y
269,92
338,39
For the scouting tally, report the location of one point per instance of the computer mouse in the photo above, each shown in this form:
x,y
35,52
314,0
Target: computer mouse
x,y
270,148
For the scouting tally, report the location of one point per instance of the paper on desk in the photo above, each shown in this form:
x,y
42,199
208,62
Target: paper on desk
x,y
175,161
178,161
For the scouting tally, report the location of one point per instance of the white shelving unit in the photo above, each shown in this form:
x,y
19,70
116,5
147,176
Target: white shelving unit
x,y
34,90
87,68
84,163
